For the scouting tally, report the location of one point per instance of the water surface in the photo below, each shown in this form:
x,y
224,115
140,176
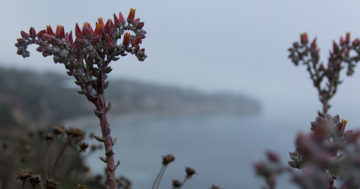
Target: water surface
x,y
222,148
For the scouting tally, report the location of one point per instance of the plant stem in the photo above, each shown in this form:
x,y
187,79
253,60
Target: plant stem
x,y
105,131
160,176
157,177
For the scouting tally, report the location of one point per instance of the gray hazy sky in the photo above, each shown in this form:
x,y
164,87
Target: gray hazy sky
x,y
212,45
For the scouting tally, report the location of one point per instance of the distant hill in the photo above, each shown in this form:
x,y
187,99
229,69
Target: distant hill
x,y
38,99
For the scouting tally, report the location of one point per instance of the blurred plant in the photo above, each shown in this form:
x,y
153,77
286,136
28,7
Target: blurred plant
x,y
327,154
326,78
166,160
55,156
328,157
87,59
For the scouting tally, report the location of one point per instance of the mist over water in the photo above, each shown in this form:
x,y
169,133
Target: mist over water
x,y
222,148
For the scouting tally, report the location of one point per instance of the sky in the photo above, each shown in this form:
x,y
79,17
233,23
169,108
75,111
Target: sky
x,y
236,46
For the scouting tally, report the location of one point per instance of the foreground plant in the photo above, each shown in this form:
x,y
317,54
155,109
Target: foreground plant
x,y
325,155
87,58
326,78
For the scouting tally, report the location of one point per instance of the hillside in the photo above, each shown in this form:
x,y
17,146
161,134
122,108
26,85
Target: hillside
x,y
34,99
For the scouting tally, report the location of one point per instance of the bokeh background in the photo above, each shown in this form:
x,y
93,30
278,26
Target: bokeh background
x,y
230,46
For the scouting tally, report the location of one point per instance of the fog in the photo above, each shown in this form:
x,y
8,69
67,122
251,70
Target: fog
x,y
228,45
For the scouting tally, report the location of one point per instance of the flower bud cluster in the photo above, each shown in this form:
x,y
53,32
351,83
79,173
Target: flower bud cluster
x,y
326,78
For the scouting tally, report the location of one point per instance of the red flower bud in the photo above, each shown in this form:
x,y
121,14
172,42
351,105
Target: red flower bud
x,y
335,47
32,32
77,30
70,37
21,40
137,21
99,26
46,36
121,19
136,41
356,41
131,16
126,40
347,38
87,29
140,25
347,52
24,35
116,20
304,38
60,31
109,26
342,41
40,33
313,43
49,30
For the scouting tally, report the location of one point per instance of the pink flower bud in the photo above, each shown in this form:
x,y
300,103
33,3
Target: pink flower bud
x,y
40,33
347,52
116,20
46,37
137,21
335,47
77,30
140,25
121,19
24,35
70,37
32,32
136,41
109,26
60,31
49,30
272,156
87,29
356,41
342,41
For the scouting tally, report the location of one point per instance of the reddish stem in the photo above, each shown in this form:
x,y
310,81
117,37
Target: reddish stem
x,y
105,130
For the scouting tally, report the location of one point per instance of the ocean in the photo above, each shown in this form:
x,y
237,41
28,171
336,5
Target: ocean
x,y
221,148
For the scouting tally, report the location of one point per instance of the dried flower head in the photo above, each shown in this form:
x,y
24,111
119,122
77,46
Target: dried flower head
x,y
189,172
176,183
51,184
35,179
75,132
83,146
24,174
48,137
58,130
168,159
